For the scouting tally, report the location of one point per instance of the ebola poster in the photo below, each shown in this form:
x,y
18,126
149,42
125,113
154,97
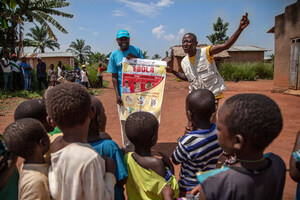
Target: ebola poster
x,y
143,86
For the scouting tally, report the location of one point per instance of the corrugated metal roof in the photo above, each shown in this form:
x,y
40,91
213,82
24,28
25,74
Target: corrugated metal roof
x,y
247,48
51,54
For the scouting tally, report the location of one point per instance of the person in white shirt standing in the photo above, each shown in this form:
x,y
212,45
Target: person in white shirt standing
x,y
16,69
7,72
84,77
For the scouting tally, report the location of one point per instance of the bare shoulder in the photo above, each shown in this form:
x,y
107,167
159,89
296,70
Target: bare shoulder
x,y
153,163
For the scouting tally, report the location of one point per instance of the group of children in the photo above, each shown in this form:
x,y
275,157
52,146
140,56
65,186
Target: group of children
x,y
85,163
78,75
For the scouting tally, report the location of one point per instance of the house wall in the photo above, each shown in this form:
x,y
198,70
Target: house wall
x,y
245,56
287,27
51,60
177,63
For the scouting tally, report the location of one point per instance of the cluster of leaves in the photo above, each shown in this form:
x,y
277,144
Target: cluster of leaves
x,y
219,35
246,71
15,12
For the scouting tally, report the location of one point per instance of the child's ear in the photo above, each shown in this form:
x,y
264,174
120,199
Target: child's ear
x,y
51,122
239,142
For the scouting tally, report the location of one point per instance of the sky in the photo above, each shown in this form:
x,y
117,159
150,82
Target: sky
x,y
157,25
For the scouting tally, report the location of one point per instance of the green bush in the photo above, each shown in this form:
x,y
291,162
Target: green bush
x,y
93,79
246,71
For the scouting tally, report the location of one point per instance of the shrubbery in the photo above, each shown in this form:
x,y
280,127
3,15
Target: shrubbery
x,y
246,71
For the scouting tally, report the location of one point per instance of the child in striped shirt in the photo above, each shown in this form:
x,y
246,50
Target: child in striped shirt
x,y
198,150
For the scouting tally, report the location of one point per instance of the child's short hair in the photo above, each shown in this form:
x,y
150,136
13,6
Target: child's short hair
x,y
140,127
34,108
68,104
255,116
201,102
22,135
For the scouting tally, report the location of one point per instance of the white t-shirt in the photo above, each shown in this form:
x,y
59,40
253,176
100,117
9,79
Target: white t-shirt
x,y
6,69
84,76
78,172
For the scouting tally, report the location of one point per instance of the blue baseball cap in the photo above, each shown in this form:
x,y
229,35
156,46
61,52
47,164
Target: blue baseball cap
x,y
122,33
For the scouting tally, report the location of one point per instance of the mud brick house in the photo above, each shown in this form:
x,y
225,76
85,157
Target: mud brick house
x,y
287,49
67,58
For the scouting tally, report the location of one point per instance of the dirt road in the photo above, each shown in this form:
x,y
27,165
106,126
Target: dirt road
x,y
173,118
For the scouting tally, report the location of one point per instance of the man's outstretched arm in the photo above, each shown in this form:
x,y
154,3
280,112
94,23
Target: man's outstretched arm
x,y
219,48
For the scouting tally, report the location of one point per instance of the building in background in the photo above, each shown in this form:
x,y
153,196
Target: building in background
x,y
67,58
287,49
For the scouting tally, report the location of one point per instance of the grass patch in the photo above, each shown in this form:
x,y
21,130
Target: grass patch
x,y
23,94
246,71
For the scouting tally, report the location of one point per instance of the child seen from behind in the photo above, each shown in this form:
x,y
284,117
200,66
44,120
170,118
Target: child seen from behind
x,y
147,175
77,171
198,150
28,139
106,147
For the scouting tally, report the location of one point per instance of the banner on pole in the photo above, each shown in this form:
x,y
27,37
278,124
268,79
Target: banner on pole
x,y
143,86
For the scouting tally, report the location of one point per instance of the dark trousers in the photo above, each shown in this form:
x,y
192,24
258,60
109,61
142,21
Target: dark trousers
x,y
17,78
101,81
42,80
86,84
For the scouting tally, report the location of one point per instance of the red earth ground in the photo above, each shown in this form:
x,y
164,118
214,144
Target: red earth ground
x,y
173,119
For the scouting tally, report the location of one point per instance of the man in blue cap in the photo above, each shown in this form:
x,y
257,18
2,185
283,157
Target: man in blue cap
x,y
115,67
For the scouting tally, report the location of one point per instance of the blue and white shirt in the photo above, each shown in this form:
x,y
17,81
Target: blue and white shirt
x,y
196,151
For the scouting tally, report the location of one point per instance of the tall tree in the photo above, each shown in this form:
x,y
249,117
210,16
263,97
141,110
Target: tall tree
x,y
16,12
156,57
81,50
95,57
219,35
40,40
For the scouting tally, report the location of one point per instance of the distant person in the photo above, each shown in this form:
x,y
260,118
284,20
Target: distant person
x,y
28,139
60,68
198,150
17,74
147,174
62,78
77,171
84,77
78,76
295,165
52,75
7,72
199,67
27,74
41,74
115,67
247,124
106,147
100,74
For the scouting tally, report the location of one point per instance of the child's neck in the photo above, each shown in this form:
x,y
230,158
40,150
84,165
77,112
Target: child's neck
x,y
77,133
35,158
201,125
252,161
142,151
93,136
